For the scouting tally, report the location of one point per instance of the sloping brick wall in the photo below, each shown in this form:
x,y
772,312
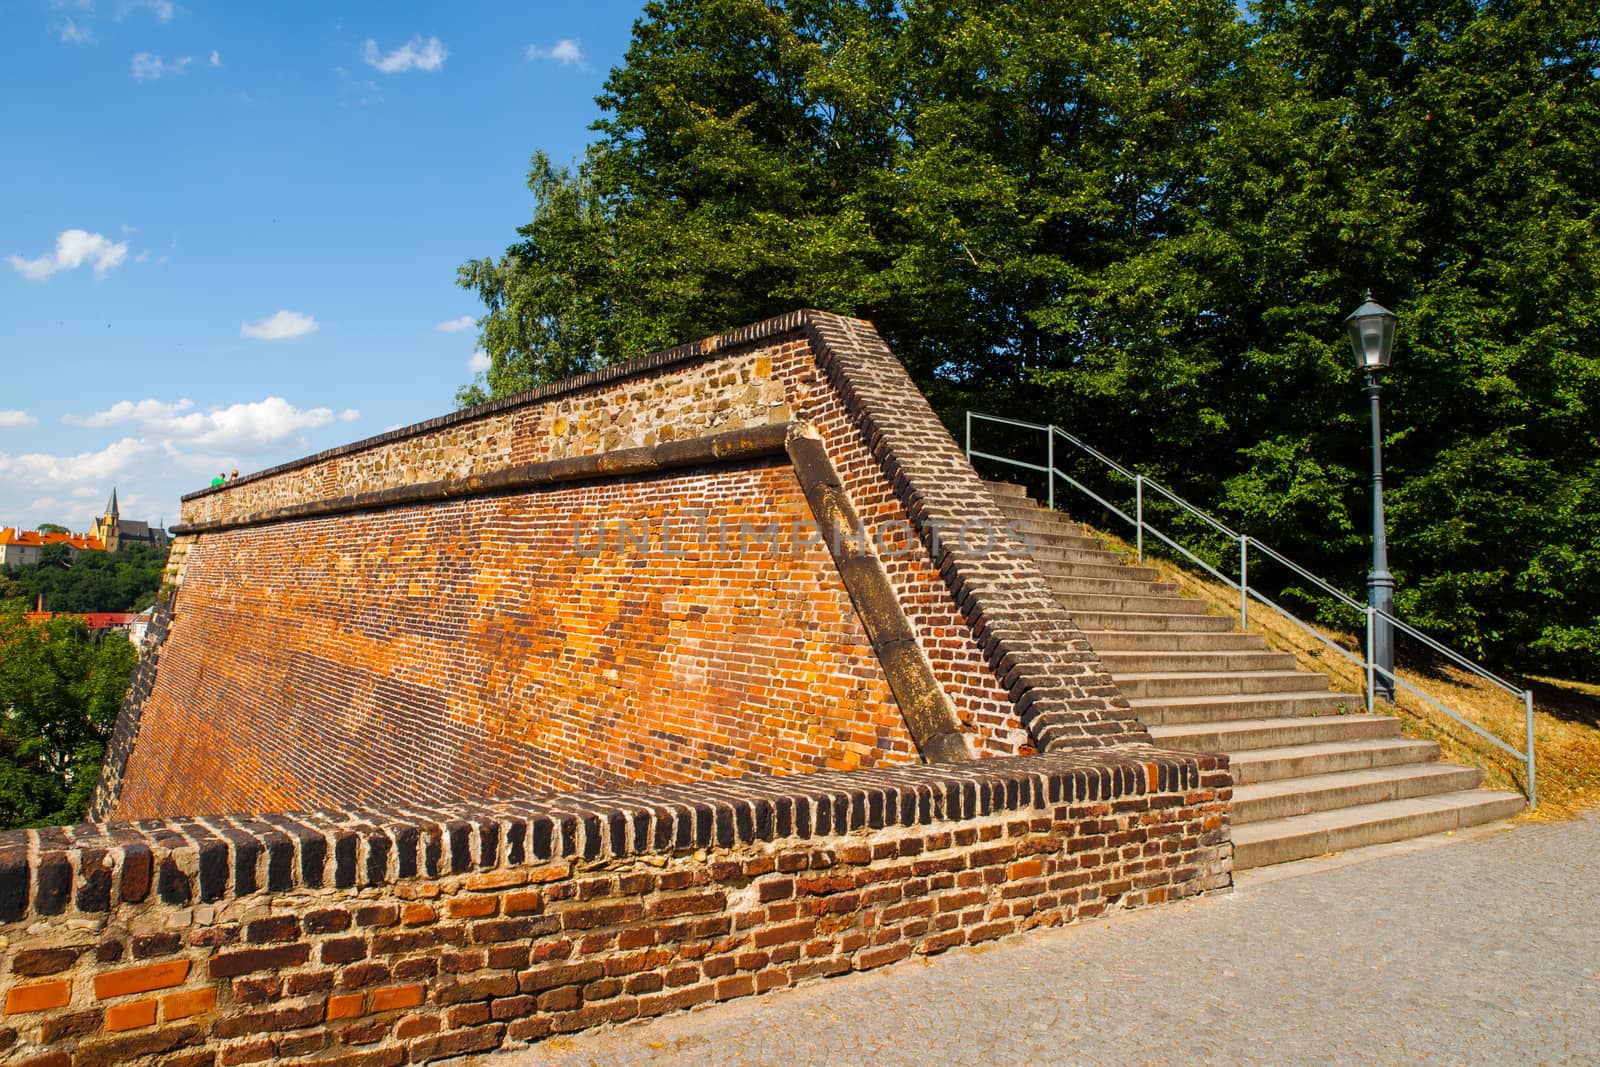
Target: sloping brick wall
x,y
384,936
478,648
339,639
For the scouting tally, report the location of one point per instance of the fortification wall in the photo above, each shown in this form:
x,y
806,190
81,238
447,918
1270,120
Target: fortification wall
x,y
379,937
423,616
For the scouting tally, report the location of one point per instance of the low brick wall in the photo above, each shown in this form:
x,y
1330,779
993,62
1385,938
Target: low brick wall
x,y
392,936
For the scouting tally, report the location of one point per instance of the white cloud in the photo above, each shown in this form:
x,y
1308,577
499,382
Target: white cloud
x,y
44,471
415,54
74,248
465,322
349,415
216,58
147,66
282,326
567,52
72,33
163,10
480,361
17,420
246,427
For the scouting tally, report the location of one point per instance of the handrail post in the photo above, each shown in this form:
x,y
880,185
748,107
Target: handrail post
x,y
1138,512
1371,682
1050,453
969,436
1533,789
1244,580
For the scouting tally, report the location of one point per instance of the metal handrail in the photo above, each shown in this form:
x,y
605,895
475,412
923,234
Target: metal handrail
x,y
1248,544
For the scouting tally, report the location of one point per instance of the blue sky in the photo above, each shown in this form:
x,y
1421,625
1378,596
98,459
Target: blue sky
x,y
229,232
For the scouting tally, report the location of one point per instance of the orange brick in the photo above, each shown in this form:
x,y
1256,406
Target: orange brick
x,y
414,914
400,996
495,880
520,903
141,979
191,1002
344,1006
1025,869
39,997
471,907
131,1016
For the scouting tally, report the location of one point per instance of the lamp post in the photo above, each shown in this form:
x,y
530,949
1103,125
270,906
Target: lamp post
x,y
1371,329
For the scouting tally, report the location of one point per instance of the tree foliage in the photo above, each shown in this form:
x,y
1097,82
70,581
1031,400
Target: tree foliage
x,y
59,694
1142,219
126,580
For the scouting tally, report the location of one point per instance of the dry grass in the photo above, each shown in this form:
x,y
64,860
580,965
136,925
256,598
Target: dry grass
x,y
1566,714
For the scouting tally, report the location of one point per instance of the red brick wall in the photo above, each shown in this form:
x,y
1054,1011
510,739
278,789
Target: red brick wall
x,y
313,661
498,646
375,938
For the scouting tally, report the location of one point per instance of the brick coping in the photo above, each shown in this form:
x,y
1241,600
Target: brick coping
x,y
95,868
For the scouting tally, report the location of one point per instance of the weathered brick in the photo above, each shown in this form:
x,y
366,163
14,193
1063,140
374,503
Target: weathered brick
x,y
36,963
176,1006
141,979
244,961
458,1043
278,928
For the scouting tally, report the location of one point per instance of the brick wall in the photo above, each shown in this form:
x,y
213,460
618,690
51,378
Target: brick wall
x,y
382,937
511,644
464,646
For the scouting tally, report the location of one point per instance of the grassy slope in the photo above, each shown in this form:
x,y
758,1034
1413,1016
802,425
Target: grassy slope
x,y
1566,714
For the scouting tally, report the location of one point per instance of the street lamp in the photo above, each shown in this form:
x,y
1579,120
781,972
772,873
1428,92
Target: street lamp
x,y
1371,329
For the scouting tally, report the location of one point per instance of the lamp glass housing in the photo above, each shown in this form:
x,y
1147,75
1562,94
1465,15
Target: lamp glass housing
x,y
1371,329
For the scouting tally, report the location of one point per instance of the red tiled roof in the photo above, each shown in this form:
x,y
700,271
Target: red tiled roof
x,y
82,542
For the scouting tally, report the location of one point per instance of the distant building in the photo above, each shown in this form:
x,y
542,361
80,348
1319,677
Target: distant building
x,y
113,531
98,623
20,548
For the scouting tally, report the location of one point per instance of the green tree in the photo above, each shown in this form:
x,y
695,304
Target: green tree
x,y
59,694
126,580
1144,221
1432,150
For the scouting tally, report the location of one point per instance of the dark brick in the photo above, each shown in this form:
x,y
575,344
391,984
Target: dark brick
x,y
270,931
229,964
146,946
36,962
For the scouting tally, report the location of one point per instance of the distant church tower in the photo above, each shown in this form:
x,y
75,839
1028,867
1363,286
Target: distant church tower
x,y
108,526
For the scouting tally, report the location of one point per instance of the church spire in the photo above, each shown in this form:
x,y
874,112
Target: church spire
x,y
111,505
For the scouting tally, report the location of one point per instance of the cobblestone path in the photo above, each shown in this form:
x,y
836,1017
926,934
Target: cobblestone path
x,y
1482,951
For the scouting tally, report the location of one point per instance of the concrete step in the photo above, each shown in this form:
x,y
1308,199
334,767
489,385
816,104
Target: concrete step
x,y
1137,605
1172,660
1006,490
1035,537
1333,757
1300,836
1194,683
1052,555
1072,585
1324,792
1146,621
1244,735
1033,509
1172,640
1233,707
1064,567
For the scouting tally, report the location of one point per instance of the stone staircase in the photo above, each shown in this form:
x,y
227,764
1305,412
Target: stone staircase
x,y
1313,773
